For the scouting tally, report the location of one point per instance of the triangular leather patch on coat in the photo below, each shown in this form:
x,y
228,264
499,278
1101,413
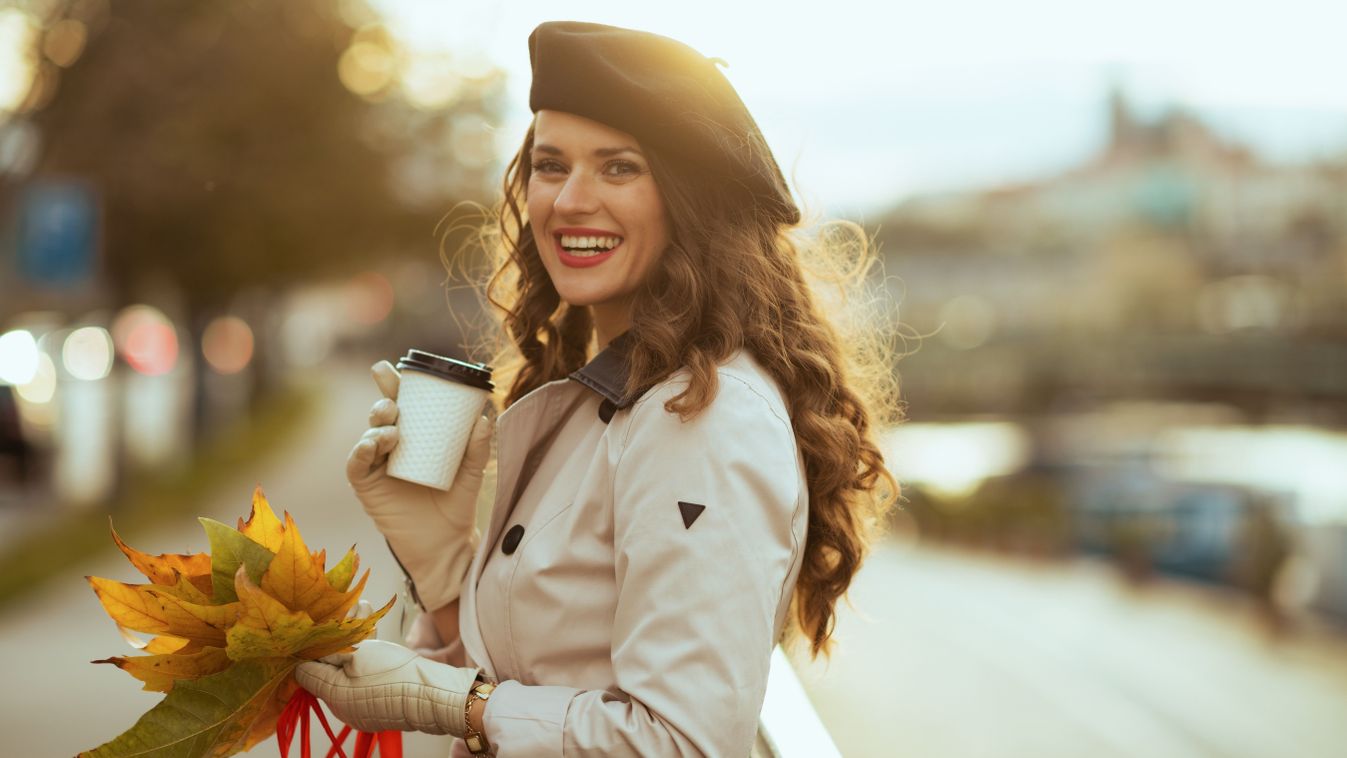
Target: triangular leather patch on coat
x,y
690,512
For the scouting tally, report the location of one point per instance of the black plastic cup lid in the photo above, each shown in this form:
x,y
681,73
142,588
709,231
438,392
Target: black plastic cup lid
x,y
472,374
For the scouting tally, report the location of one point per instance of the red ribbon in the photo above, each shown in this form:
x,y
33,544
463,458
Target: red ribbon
x,y
296,713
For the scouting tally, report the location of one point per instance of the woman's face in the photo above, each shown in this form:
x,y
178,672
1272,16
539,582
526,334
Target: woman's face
x,y
591,190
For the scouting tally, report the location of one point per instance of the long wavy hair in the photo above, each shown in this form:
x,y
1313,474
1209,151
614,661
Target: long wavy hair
x,y
732,277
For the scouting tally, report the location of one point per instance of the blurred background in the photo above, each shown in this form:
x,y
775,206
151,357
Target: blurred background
x,y
1116,237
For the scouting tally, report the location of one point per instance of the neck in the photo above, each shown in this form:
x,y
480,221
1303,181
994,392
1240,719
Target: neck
x,y
610,320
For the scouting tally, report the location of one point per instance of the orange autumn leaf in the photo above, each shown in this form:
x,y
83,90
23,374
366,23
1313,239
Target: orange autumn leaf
x,y
148,609
165,569
158,672
266,628
166,644
296,579
293,578
230,627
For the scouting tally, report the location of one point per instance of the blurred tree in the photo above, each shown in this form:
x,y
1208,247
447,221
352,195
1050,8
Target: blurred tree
x,y
230,154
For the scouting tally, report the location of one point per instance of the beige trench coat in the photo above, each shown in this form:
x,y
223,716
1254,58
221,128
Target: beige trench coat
x,y
635,604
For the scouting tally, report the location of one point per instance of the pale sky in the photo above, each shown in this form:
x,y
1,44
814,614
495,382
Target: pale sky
x,y
864,102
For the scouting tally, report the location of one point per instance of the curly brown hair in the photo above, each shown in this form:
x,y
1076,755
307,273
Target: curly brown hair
x,y
732,277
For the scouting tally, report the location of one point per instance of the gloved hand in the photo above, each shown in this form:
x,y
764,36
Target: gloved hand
x,y
385,686
431,532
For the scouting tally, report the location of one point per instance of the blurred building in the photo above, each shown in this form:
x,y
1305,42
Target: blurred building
x,y
1172,241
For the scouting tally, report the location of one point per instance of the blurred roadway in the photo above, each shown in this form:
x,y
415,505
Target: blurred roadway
x,y
961,656
952,655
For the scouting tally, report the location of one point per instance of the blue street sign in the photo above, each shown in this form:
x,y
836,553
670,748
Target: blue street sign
x,y
57,234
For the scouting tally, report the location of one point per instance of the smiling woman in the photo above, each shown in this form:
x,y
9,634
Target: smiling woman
x,y
686,471
592,201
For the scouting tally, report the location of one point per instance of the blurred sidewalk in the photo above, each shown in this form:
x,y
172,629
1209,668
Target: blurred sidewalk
x,y
57,703
952,655
961,655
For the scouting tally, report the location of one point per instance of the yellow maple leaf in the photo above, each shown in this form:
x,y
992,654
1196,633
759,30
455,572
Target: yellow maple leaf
x,y
262,525
150,609
293,577
230,627
266,628
166,644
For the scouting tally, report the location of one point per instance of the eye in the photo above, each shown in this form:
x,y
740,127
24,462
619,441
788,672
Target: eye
x,y
627,168
544,166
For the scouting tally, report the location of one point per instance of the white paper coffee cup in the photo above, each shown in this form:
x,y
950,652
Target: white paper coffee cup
x,y
439,400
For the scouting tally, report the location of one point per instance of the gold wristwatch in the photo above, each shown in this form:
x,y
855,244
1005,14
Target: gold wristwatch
x,y
477,744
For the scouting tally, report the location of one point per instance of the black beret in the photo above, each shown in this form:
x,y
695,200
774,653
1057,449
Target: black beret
x,y
663,93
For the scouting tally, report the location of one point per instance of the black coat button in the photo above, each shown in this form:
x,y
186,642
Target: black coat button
x,y
512,539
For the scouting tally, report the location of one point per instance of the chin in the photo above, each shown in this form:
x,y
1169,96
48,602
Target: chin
x,y
581,299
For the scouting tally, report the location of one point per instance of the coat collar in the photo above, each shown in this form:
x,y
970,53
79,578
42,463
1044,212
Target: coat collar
x,y
607,374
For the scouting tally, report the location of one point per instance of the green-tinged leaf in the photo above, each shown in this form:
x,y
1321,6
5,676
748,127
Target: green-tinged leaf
x,y
230,549
338,636
158,672
340,575
211,717
265,628
229,628
187,590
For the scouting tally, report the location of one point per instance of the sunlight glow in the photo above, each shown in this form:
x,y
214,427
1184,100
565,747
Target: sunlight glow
x,y
17,29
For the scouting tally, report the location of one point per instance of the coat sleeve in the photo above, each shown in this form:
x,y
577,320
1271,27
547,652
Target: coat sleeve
x,y
704,546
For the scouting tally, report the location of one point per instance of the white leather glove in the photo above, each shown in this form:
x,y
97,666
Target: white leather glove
x,y
384,686
432,533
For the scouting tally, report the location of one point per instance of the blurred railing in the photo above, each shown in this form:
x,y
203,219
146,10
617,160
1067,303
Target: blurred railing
x,y
789,727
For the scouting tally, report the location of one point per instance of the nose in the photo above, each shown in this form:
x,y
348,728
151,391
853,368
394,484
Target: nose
x,y
577,196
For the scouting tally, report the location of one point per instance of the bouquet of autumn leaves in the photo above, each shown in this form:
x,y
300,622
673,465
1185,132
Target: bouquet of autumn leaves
x,y
229,629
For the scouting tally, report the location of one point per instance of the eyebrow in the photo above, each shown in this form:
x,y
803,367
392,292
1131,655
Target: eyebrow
x,y
602,152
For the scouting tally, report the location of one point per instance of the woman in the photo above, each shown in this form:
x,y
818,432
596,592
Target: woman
x,y
671,507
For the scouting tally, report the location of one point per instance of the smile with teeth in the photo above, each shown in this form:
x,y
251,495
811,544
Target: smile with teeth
x,y
585,247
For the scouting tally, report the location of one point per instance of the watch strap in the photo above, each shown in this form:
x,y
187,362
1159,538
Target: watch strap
x,y
476,741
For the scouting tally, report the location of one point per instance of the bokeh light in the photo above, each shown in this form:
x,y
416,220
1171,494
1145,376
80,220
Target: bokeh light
x,y
953,459
17,28
227,344
64,42
42,387
431,82
87,353
369,298
968,321
370,64
18,357
146,339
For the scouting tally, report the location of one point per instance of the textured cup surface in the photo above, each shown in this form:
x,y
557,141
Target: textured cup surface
x,y
435,419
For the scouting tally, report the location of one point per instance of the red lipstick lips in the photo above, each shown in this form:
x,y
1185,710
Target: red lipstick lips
x,y
577,261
